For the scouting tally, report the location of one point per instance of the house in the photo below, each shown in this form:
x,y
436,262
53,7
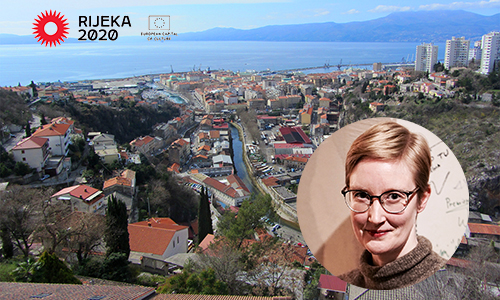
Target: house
x,y
81,198
33,151
58,135
331,287
179,151
324,102
306,114
295,162
232,194
146,145
122,187
102,140
222,160
376,106
155,240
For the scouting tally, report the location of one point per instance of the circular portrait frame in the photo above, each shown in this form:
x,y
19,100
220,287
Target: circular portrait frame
x,y
324,218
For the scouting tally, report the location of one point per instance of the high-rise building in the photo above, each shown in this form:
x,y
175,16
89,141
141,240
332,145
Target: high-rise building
x,y
457,53
491,48
426,57
475,53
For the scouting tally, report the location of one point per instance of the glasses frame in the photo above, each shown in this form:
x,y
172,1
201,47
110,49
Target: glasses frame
x,y
408,195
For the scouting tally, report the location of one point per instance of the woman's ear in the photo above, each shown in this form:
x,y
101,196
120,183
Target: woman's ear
x,y
422,203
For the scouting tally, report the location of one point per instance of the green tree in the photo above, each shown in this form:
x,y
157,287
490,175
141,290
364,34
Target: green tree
x,y
203,283
28,129
250,217
50,269
42,119
25,270
33,88
7,246
116,233
116,267
22,169
204,216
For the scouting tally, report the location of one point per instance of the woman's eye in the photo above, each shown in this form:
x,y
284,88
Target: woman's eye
x,y
394,196
361,195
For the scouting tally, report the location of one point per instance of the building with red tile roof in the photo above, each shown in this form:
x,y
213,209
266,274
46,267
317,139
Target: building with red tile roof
x,y
58,135
54,291
81,198
488,231
232,194
330,285
33,151
156,239
122,187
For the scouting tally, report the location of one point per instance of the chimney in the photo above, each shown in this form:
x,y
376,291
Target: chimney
x,y
149,224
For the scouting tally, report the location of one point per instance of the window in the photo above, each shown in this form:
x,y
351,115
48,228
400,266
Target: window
x,y
174,243
22,151
24,158
177,239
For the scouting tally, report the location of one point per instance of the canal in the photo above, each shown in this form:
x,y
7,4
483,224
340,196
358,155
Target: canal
x,y
239,164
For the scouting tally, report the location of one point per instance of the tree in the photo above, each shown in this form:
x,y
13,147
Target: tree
x,y
54,230
50,269
7,246
203,283
20,214
227,264
25,270
204,216
250,217
86,236
21,169
116,233
28,129
33,88
116,267
42,119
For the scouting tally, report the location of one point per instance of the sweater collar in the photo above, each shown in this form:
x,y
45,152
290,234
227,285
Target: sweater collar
x,y
398,266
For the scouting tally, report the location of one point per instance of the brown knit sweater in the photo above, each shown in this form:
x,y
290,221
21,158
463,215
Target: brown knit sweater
x,y
415,266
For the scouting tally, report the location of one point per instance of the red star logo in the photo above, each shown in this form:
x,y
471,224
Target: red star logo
x,y
58,35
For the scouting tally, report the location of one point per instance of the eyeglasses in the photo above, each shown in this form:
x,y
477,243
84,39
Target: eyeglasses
x,y
392,201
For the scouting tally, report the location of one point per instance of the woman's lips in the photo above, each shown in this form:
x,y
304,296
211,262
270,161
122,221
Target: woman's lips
x,y
377,233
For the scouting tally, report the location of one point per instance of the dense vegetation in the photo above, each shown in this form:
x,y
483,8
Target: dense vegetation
x,y
125,124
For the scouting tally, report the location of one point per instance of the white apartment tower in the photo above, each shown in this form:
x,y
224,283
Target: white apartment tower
x,y
491,48
426,57
457,53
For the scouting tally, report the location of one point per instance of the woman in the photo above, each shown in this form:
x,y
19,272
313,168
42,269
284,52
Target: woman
x,y
387,186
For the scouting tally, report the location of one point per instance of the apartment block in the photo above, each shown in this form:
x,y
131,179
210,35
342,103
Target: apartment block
x,y
491,48
457,53
426,57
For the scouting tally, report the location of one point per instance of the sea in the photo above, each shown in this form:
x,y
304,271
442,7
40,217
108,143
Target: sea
x,y
70,62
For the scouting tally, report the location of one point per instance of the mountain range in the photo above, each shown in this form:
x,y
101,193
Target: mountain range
x,y
416,26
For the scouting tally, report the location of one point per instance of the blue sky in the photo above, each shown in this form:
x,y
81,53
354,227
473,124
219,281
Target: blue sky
x,y
16,17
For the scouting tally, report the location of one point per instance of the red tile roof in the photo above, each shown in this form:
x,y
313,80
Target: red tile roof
x,y
332,283
52,130
31,142
152,239
18,290
209,238
484,228
215,297
79,191
117,181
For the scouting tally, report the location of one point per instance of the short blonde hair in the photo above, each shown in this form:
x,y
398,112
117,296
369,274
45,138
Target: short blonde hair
x,y
392,141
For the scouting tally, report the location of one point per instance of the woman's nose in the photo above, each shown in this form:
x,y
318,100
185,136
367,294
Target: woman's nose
x,y
376,213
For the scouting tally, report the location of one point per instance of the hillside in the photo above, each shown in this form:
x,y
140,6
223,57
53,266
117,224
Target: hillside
x,y
416,26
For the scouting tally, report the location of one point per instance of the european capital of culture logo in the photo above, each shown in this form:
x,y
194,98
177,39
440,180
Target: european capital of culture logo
x,y
159,26
42,35
159,22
